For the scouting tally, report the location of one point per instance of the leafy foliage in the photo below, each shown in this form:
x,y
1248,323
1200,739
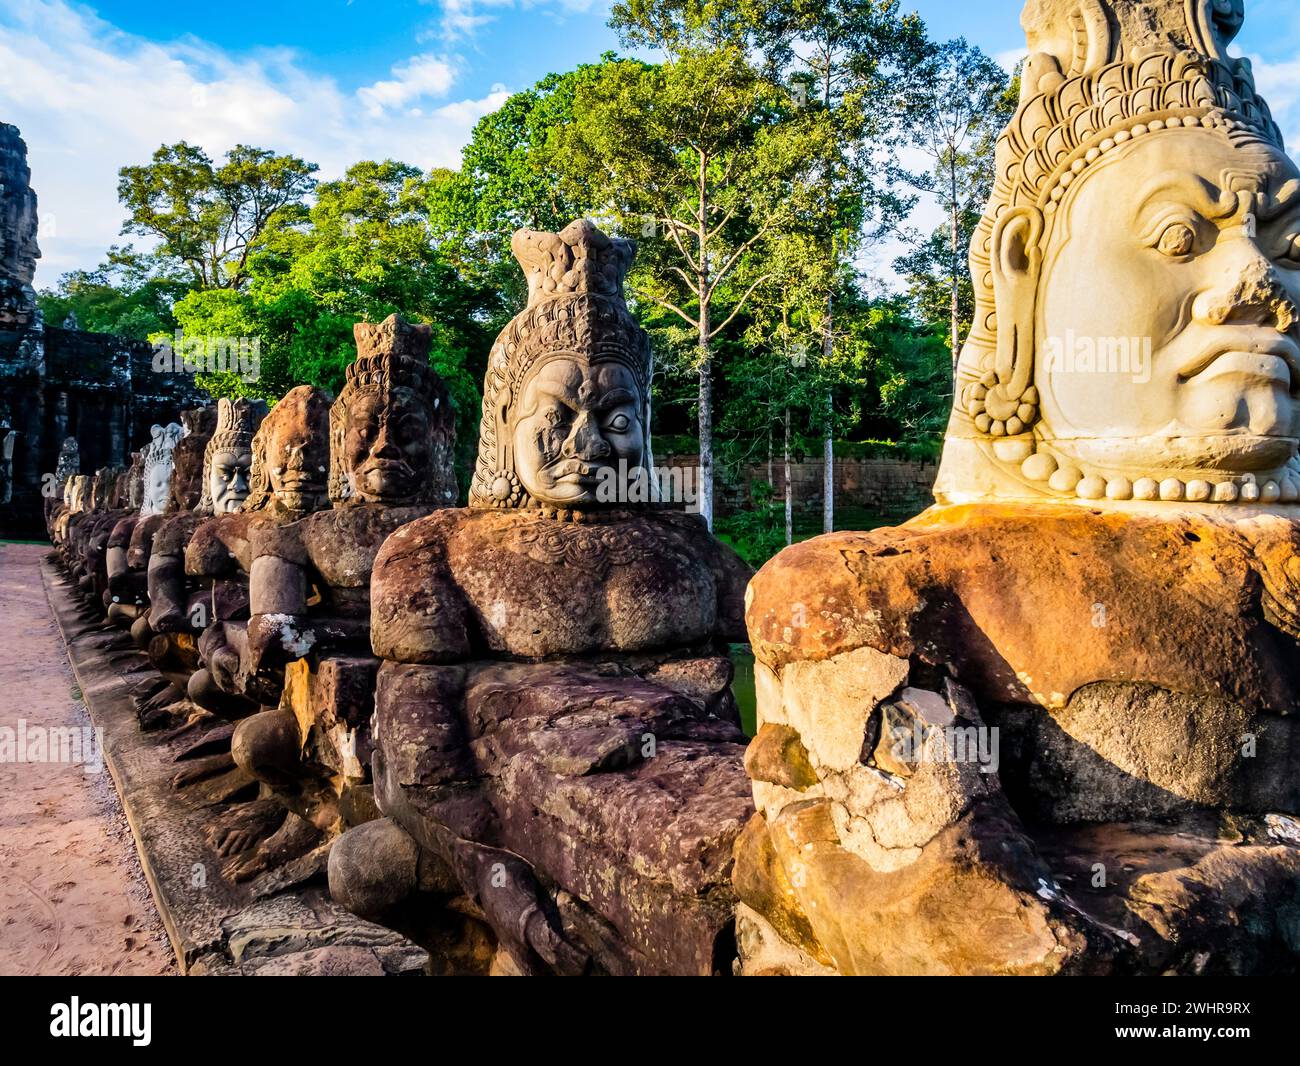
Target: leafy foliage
x,y
116,297
209,220
364,254
958,106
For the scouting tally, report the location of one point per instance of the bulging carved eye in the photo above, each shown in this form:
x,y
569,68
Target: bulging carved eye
x,y
1178,239
619,423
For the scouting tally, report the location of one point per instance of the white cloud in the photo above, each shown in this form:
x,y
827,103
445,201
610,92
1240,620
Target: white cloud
x,y
1007,60
418,77
90,99
464,18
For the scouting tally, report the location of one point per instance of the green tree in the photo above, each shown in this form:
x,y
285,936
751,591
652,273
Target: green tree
x,y
116,297
209,220
905,368
697,157
507,181
926,268
956,110
676,27
852,60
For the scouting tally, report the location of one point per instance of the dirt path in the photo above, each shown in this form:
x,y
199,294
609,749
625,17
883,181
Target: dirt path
x,y
73,899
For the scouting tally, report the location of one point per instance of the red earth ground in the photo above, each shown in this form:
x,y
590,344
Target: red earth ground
x,y
73,899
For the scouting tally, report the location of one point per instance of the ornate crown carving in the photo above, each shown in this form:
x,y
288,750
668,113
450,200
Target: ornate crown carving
x,y
391,354
1099,74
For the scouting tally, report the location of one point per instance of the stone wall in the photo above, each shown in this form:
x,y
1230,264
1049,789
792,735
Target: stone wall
x,y
879,484
57,383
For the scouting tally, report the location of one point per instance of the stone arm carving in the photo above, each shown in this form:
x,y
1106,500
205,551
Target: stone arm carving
x,y
418,614
220,547
115,558
731,575
278,585
141,546
428,780
168,595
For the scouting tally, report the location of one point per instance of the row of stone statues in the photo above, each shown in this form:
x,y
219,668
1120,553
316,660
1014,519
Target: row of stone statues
x,y
540,681
1046,727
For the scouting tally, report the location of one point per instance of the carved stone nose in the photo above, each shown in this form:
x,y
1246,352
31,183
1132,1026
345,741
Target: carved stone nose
x,y
586,441
383,445
1254,296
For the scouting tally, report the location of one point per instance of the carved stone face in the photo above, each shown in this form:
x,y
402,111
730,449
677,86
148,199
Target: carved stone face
x,y
387,446
228,478
578,427
80,492
1185,250
298,463
157,478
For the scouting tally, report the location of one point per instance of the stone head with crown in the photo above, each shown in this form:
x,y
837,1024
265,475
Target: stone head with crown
x,y
1137,273
392,429
567,394
287,477
228,457
159,456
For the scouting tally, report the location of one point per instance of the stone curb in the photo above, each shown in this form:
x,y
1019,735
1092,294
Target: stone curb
x,y
214,927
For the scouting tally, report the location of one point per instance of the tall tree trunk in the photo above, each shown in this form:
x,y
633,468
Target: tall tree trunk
x,y
828,352
771,473
706,355
706,419
954,270
828,433
789,492
828,470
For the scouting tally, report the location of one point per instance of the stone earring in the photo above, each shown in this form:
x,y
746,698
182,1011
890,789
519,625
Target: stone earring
x,y
1004,402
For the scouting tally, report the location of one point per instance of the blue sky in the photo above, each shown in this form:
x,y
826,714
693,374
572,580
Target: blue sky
x,y
99,84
